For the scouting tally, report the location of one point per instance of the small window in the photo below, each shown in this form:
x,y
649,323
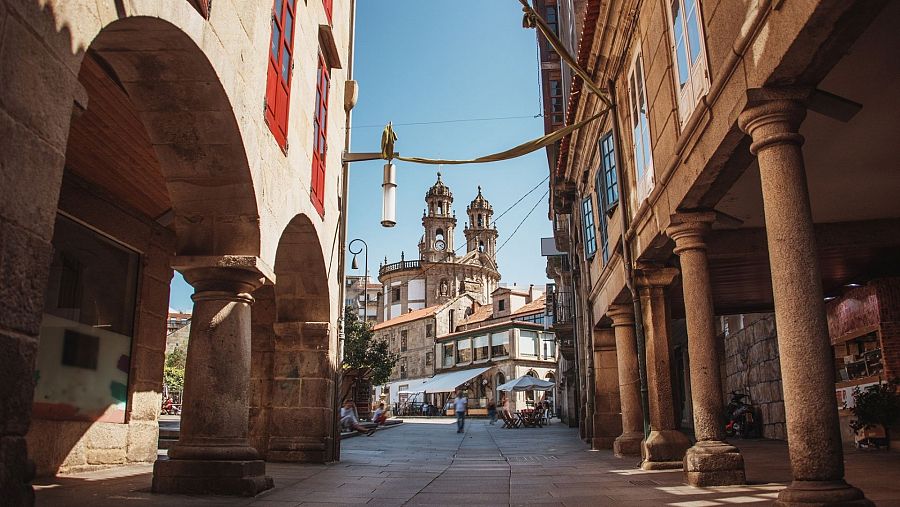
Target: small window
x,y
640,128
396,295
500,344
403,340
429,330
501,305
452,321
607,187
449,355
429,358
403,368
590,238
482,348
464,351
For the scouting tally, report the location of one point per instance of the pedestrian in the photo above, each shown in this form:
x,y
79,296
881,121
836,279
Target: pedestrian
x,y
492,412
505,405
380,415
460,406
348,419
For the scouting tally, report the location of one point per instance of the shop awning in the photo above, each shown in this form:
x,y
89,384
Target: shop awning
x,y
448,382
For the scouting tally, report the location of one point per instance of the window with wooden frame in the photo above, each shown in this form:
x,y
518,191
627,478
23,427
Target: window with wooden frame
x,y
278,79
557,103
690,57
590,234
640,128
607,186
320,137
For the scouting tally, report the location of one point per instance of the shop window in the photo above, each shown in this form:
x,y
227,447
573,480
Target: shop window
x,y
640,128
87,328
529,344
280,69
690,61
320,137
590,234
464,351
500,344
859,358
482,349
449,355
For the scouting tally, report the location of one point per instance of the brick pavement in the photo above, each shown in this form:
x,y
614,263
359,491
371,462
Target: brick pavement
x,y
425,462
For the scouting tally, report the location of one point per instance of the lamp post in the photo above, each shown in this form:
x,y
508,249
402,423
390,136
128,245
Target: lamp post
x,y
354,265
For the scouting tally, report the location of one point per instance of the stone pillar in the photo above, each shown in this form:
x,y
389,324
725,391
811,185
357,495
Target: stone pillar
x,y
711,461
213,454
665,446
607,418
772,118
629,442
302,422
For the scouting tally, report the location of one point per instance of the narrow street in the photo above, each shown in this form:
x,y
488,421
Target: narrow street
x,y
425,462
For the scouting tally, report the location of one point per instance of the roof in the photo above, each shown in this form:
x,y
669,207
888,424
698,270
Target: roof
x,y
510,290
499,325
483,313
408,317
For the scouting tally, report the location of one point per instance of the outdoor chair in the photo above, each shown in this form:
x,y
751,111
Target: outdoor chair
x,y
508,420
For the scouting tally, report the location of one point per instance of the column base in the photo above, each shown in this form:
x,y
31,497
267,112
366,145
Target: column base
x,y
714,463
210,477
598,443
628,444
664,450
821,493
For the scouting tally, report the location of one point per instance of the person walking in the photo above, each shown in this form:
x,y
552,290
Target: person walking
x,y
492,412
460,406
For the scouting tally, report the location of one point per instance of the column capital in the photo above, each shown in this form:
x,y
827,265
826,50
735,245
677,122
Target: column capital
x,y
689,230
224,276
773,116
621,315
650,276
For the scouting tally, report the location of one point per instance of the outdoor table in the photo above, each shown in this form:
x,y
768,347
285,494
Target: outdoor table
x,y
528,418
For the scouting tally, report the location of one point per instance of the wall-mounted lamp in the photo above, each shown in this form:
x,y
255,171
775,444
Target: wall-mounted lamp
x,y
389,196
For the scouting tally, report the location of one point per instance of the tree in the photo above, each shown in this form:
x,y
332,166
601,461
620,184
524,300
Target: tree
x,y
364,355
173,372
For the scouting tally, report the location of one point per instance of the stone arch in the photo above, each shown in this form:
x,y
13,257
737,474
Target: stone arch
x,y
301,426
203,171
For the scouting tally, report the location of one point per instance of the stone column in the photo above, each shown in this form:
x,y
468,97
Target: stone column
x,y
213,454
629,442
710,462
607,418
665,446
772,118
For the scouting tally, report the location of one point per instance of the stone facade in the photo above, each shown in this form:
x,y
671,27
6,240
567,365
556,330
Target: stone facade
x,y
751,366
142,123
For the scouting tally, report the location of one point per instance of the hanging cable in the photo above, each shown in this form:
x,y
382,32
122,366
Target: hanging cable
x,y
523,220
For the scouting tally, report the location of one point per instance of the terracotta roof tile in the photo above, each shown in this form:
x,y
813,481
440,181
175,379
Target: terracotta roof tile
x,y
408,317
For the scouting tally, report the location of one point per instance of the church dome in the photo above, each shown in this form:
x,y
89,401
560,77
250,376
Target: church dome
x,y
439,189
480,203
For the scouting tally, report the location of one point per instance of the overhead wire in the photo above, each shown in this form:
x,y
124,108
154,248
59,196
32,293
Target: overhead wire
x,y
513,233
454,120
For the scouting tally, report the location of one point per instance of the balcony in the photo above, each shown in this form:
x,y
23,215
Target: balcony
x,y
398,266
561,305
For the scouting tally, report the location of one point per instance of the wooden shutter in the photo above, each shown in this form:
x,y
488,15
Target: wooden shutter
x,y
280,69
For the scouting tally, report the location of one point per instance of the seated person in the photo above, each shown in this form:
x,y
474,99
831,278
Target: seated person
x,y
349,420
380,415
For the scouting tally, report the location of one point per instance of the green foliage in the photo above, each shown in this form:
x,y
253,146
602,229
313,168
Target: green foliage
x,y
877,404
365,353
173,372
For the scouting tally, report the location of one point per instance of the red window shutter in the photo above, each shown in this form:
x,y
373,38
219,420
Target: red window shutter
x,y
329,5
320,138
280,69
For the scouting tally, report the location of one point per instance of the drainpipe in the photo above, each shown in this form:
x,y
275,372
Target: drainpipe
x,y
342,256
575,320
629,276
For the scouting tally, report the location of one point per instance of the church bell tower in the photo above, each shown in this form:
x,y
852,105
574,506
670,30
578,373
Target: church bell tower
x,y
481,233
439,222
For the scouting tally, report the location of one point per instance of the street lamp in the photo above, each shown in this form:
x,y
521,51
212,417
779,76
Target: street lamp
x,y
355,265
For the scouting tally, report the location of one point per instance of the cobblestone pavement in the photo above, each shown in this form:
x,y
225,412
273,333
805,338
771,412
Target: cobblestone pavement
x,y
425,462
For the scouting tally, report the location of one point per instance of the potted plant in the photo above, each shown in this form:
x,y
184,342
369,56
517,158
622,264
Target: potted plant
x,y
876,405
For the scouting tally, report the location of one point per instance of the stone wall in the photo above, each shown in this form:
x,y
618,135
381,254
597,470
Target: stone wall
x,y
751,366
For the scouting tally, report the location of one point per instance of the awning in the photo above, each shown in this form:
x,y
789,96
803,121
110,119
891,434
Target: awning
x,y
448,382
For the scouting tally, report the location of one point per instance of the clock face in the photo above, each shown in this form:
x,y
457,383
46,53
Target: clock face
x,y
440,245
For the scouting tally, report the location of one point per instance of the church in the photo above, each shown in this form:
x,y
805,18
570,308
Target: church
x,y
440,274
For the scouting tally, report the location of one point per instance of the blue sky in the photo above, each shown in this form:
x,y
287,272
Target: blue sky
x,y
429,61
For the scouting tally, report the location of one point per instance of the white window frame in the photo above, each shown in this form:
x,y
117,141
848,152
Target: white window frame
x,y
642,151
696,82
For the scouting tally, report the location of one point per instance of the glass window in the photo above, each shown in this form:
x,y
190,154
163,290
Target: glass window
x,y
448,355
690,67
549,340
87,327
464,350
501,305
395,294
500,344
403,340
640,128
590,234
429,358
529,345
481,348
607,190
